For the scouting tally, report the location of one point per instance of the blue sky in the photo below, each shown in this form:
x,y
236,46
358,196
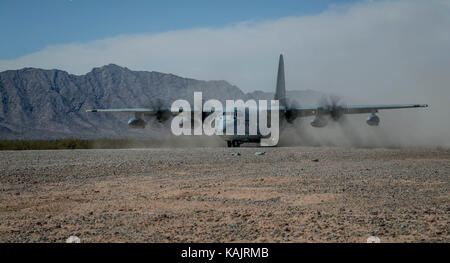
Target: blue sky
x,y
30,25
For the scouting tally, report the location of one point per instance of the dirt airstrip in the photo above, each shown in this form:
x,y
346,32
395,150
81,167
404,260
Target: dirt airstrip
x,y
289,194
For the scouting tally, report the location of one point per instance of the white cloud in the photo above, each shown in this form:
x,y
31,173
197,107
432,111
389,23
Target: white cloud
x,y
375,52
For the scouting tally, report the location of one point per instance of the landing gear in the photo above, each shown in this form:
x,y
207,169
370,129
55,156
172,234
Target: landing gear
x,y
233,143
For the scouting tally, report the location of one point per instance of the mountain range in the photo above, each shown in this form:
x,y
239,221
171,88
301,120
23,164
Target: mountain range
x,y
51,104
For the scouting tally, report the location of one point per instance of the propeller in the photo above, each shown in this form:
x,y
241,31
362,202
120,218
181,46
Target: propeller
x,y
294,133
162,109
331,105
291,115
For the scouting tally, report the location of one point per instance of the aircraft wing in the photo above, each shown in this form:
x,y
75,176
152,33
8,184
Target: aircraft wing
x,y
302,111
144,111
374,108
125,110
353,109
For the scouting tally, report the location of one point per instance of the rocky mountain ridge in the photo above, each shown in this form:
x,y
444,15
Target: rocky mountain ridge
x,y
48,104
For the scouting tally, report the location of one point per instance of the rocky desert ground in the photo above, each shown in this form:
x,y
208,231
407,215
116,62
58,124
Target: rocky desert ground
x,y
288,194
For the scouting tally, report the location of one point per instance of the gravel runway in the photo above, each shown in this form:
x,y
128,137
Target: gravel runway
x,y
289,194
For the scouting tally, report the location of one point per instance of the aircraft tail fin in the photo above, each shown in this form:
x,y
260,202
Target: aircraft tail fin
x,y
280,92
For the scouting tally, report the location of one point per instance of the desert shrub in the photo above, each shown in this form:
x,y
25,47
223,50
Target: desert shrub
x,y
72,143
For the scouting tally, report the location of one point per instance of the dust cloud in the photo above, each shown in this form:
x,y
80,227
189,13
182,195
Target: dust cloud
x,y
417,127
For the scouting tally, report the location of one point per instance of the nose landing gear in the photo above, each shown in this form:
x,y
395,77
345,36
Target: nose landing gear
x,y
233,143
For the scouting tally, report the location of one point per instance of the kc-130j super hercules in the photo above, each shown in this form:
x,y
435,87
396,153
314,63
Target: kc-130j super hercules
x,y
287,114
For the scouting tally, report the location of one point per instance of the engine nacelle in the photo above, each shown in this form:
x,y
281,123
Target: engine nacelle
x,y
136,123
319,122
373,120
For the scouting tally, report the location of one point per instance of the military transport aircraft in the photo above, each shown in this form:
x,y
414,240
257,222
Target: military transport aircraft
x,y
287,114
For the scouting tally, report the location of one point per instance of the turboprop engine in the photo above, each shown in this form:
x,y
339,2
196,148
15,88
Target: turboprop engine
x,y
319,121
373,120
136,123
163,115
330,108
